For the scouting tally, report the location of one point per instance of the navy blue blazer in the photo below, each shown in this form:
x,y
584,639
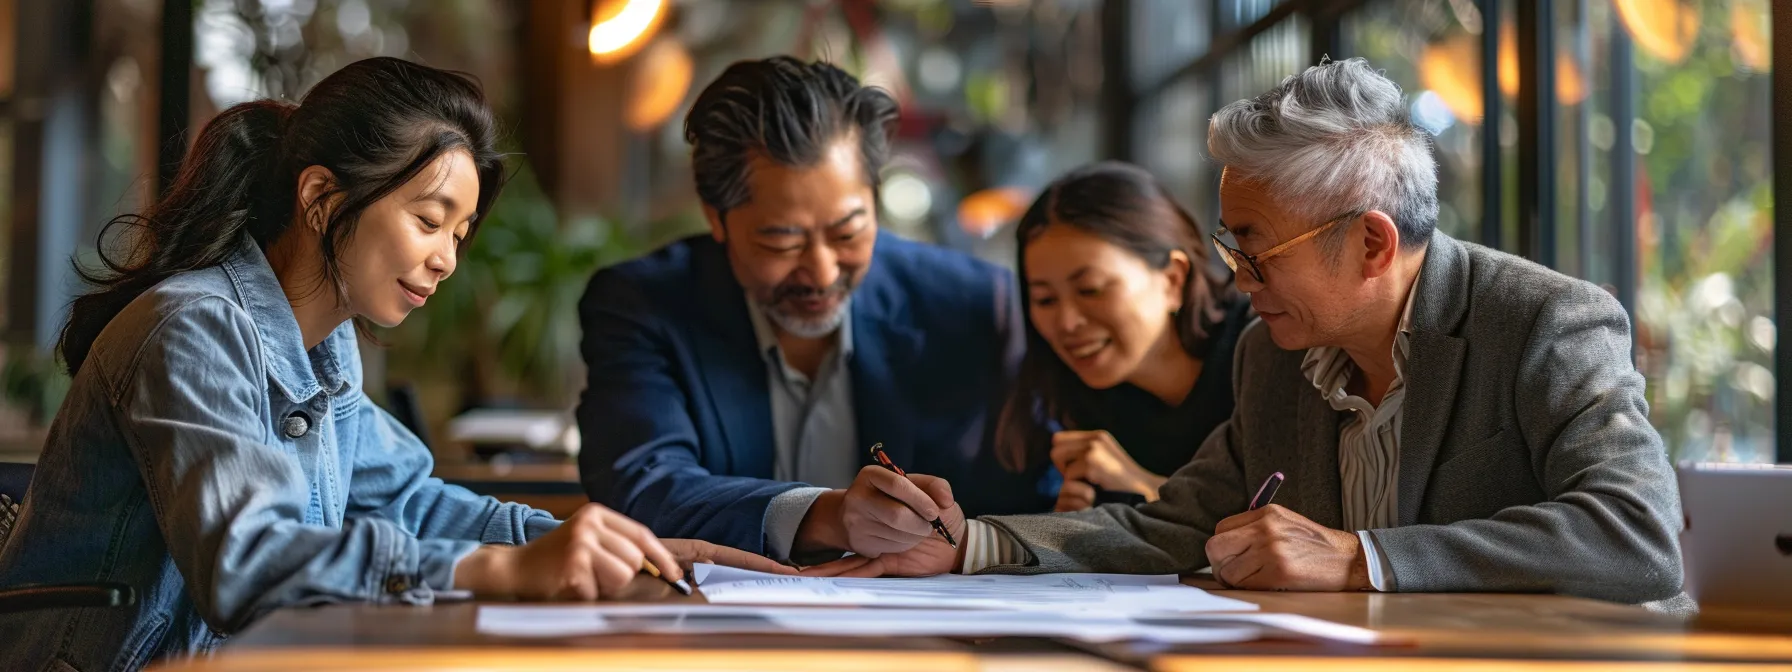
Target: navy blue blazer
x,y
676,416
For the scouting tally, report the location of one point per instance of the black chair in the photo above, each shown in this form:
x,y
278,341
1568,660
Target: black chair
x,y
15,479
402,398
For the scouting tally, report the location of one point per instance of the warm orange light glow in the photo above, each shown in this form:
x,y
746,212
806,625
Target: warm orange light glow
x,y
1571,87
1508,70
619,28
1452,69
1751,44
1449,69
981,213
657,85
1664,28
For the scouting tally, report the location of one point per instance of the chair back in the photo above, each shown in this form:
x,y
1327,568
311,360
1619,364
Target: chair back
x,y
15,478
407,411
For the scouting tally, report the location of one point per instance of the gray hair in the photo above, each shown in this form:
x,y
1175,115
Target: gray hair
x,y
1335,139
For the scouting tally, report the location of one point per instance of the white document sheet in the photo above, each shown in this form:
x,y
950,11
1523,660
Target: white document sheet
x,y
527,621
1120,593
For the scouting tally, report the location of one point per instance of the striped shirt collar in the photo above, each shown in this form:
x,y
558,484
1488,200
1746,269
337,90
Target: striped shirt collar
x,y
1330,368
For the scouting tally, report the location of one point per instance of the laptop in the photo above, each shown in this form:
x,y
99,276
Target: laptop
x,y
1737,544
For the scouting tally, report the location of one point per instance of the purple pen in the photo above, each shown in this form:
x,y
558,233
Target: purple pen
x,y
1268,492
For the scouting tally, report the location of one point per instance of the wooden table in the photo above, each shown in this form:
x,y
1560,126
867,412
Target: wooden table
x,y
1456,631
1467,631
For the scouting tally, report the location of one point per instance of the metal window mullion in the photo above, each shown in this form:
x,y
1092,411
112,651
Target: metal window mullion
x,y
173,85
1583,156
1782,226
1622,199
1492,171
1536,131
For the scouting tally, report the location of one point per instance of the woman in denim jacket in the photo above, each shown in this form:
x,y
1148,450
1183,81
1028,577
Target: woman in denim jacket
x,y
216,451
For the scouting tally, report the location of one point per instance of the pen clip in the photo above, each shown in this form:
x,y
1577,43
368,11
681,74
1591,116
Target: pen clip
x,y
883,460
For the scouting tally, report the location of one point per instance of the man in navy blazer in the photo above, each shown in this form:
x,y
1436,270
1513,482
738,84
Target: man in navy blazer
x,y
738,379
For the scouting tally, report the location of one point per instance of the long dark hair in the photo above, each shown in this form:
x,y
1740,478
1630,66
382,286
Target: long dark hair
x,y
1124,205
374,124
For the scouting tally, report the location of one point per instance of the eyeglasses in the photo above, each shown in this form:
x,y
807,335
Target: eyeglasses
x,y
1235,258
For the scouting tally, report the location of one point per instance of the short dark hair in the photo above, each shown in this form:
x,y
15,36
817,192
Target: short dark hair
x,y
787,110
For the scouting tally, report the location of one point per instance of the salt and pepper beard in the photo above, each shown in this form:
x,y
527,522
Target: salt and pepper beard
x,y
809,327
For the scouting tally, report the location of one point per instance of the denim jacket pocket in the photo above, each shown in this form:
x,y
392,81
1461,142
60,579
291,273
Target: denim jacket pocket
x,y
136,652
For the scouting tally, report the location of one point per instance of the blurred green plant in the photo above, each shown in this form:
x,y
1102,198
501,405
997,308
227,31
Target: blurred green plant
x,y
34,381
1705,323
507,321
1706,338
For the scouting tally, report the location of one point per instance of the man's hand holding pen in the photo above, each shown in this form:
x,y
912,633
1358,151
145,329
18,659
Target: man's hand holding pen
x,y
884,514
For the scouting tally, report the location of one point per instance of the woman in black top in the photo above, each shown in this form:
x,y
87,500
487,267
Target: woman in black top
x,y
1130,333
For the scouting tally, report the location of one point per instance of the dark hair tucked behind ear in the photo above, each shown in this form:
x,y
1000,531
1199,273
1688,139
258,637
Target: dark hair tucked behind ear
x,y
788,110
1124,205
374,124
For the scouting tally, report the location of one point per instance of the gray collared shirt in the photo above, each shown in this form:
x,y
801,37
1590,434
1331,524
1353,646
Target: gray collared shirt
x,y
814,428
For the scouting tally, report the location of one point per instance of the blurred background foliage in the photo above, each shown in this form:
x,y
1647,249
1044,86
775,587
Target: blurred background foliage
x,y
999,96
508,317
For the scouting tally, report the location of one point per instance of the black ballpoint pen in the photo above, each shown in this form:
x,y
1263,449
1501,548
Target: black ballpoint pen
x,y
877,453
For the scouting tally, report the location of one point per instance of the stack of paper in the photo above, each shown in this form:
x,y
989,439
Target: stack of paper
x,y
551,431
1087,607
1056,592
523,621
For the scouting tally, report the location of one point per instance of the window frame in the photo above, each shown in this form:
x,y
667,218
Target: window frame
x,y
1535,110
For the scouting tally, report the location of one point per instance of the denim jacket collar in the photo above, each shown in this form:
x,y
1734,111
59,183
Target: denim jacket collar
x,y
298,374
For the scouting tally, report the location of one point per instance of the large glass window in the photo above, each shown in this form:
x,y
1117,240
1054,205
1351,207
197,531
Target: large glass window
x,y
1171,135
1658,122
1166,34
1698,81
1172,143
1661,122
1433,51
1236,14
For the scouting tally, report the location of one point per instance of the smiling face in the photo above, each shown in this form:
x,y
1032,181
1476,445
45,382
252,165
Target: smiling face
x,y
1304,300
408,242
803,240
1103,310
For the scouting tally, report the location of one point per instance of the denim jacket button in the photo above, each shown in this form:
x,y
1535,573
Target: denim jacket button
x,y
296,425
397,584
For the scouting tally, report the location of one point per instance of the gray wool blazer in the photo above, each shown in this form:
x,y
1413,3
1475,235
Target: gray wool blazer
x,y
1527,461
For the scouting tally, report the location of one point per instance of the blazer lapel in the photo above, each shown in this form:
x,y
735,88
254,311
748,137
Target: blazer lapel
x,y
733,369
1315,459
884,347
1433,368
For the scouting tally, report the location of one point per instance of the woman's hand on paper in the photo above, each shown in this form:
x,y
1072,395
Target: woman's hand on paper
x,y
593,554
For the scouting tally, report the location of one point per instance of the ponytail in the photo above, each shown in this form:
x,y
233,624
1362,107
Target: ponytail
x,y
225,188
375,124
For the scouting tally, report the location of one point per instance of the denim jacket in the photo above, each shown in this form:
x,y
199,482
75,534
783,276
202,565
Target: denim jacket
x,y
206,459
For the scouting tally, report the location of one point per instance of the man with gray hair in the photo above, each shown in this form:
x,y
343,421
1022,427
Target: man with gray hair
x,y
1448,417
